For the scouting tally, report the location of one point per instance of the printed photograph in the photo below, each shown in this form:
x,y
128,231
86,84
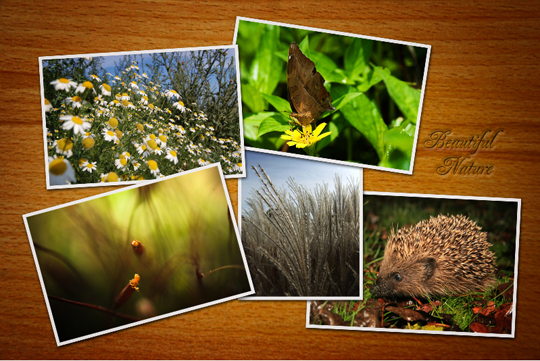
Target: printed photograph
x,y
300,228
336,97
433,264
138,254
131,116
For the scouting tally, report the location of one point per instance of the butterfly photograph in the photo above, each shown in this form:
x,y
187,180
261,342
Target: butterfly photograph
x,y
342,98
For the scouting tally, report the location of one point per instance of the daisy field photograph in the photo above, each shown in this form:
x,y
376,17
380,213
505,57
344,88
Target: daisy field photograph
x,y
131,116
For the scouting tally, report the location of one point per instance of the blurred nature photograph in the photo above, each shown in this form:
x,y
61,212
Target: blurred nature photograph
x,y
335,96
118,118
153,250
433,264
300,228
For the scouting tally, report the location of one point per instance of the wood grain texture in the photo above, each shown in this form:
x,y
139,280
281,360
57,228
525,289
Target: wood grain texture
x,y
483,74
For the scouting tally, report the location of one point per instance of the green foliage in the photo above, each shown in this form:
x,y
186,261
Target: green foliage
x,y
370,101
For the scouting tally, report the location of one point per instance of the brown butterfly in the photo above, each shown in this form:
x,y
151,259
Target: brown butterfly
x,y
308,97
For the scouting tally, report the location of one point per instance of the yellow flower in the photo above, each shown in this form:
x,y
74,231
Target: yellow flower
x,y
307,137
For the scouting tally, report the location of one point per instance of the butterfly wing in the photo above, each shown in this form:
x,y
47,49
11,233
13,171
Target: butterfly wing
x,y
307,95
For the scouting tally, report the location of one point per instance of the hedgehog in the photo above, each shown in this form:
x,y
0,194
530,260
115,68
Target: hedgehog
x,y
440,256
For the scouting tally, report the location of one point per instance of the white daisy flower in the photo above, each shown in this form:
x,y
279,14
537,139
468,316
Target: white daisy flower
x,y
180,106
79,125
172,156
172,94
89,167
60,172
95,77
76,101
63,84
136,165
84,86
121,163
64,146
47,106
154,169
105,89
109,135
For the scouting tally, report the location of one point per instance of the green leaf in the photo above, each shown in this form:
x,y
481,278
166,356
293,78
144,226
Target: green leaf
x,y
252,123
274,123
280,104
363,114
252,98
406,97
266,68
324,65
371,78
399,138
343,100
356,57
304,46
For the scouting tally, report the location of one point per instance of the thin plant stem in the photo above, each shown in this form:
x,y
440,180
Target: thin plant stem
x,y
99,308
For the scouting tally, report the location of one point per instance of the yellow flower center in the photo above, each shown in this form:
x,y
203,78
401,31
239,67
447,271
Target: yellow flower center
x,y
140,127
106,87
63,80
173,153
58,166
116,101
151,106
152,136
87,85
152,144
152,164
89,166
145,98
76,99
110,133
143,147
125,94
113,122
88,143
47,102
118,133
163,138
181,103
174,92
127,154
125,103
123,161
240,165
77,120
111,177
64,144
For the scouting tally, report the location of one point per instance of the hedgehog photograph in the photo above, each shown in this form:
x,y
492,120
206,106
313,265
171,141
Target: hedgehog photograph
x,y
438,256
433,264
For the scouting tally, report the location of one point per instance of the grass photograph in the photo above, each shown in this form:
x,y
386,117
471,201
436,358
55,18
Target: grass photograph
x,y
310,92
433,264
126,117
300,227
138,254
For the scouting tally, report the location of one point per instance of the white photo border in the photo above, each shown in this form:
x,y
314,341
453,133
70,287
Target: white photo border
x,y
133,324
135,52
453,333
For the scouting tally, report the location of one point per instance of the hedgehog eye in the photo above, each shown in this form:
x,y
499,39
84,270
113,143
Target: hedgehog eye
x,y
397,276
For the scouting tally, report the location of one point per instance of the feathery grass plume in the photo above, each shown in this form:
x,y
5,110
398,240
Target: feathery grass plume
x,y
303,242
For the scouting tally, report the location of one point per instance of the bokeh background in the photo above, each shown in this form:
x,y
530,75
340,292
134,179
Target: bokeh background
x,y
84,252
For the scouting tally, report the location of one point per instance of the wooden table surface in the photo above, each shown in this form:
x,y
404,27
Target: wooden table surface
x,y
483,75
